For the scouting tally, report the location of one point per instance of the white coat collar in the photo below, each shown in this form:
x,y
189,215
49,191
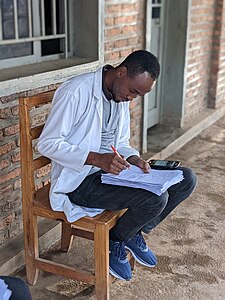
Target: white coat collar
x,y
98,84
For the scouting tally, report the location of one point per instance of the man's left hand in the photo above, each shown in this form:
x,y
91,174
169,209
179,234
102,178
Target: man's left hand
x,y
139,162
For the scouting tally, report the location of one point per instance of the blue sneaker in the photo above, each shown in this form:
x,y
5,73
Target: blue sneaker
x,y
140,251
119,265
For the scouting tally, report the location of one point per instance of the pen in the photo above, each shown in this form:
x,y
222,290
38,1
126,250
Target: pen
x,y
115,151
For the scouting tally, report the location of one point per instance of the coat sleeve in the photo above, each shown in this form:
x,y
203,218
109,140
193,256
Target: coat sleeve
x,y
53,143
123,146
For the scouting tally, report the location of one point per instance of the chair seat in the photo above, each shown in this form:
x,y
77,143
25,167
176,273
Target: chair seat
x,y
41,206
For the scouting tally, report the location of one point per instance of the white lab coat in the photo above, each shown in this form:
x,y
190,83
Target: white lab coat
x,y
72,130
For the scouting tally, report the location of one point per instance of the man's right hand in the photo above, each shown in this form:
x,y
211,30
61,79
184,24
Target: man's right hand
x,y
108,162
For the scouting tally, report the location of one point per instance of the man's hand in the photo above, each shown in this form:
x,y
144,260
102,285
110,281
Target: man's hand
x,y
108,162
139,162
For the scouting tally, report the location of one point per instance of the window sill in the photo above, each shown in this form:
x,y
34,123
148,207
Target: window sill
x,y
42,74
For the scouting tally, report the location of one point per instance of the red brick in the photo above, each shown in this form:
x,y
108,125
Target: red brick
x,y
125,53
129,29
15,110
17,184
112,32
11,202
10,175
134,104
112,56
7,147
109,21
9,98
6,221
43,171
6,189
5,113
133,40
135,114
120,43
11,129
39,119
128,7
4,163
15,157
125,19
113,9
109,46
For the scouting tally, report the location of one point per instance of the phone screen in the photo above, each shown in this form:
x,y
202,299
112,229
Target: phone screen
x,y
164,163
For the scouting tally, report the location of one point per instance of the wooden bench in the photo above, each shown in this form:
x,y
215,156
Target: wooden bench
x,y
35,203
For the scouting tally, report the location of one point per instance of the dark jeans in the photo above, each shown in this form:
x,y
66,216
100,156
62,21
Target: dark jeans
x,y
19,288
145,209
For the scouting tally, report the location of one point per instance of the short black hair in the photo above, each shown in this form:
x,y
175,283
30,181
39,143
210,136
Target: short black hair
x,y
141,61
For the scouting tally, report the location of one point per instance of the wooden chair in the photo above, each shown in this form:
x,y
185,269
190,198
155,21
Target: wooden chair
x,y
35,204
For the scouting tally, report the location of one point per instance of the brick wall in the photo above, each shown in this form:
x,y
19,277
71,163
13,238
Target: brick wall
x,y
206,57
10,182
217,78
10,218
220,88
200,41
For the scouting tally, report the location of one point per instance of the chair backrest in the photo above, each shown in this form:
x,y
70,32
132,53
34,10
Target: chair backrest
x,y
30,132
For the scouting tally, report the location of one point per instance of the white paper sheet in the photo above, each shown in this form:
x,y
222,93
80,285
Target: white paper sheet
x,y
157,181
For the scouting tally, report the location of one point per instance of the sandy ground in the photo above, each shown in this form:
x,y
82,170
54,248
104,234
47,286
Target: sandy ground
x,y
189,244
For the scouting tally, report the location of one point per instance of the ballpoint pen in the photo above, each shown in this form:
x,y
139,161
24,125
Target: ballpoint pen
x,y
115,151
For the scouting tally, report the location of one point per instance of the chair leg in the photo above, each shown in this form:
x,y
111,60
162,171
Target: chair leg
x,y
66,237
132,263
101,246
30,228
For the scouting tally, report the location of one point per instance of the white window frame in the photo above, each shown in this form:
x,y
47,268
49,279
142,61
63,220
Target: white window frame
x,y
16,80
37,34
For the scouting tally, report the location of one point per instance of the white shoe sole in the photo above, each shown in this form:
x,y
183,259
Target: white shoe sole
x,y
138,259
113,273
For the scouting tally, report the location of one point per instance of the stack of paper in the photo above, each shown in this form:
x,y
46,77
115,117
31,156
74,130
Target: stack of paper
x,y
156,181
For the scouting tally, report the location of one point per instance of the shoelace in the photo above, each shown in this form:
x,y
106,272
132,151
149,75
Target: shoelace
x,y
120,251
139,240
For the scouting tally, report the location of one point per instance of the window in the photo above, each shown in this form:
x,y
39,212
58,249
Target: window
x,y
33,31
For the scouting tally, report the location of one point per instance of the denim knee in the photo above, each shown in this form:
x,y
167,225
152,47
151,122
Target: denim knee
x,y
157,203
190,177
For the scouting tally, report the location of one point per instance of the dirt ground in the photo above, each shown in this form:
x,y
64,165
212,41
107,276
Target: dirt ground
x,y
189,244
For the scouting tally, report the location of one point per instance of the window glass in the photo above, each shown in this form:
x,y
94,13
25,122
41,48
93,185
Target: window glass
x,y
23,18
155,12
49,47
8,26
16,50
7,20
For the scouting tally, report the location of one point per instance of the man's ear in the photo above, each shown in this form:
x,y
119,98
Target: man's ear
x,y
122,71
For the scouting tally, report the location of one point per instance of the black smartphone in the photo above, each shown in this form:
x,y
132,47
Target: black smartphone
x,y
163,164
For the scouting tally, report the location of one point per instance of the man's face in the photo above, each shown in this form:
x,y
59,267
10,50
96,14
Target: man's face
x,y
127,88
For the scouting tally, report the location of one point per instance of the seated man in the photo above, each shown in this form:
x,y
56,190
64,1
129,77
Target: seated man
x,y
90,113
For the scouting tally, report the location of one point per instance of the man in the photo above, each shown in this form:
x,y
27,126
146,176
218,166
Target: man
x,y
90,113
14,288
